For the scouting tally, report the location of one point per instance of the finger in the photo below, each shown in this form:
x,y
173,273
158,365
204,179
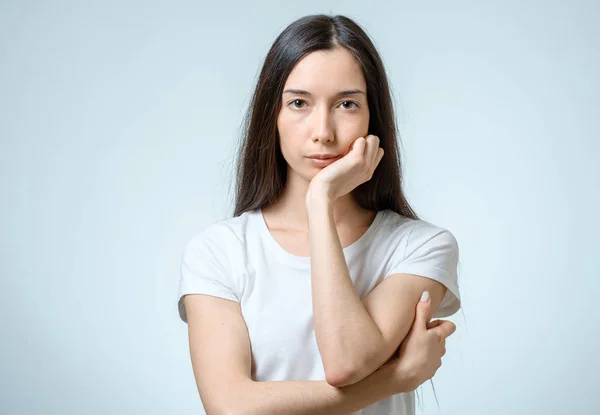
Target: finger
x,y
445,329
358,146
423,311
377,153
372,147
380,153
434,323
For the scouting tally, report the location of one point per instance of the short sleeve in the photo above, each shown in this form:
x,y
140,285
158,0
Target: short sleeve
x,y
205,269
431,252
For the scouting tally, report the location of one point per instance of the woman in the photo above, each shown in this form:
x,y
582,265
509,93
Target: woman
x,y
300,301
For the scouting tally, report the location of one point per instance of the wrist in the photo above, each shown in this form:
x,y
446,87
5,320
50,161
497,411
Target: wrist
x,y
401,380
317,197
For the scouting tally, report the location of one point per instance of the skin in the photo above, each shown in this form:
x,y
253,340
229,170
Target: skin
x,y
318,199
322,122
317,214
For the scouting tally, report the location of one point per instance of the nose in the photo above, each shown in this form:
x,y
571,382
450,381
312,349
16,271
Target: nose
x,y
324,130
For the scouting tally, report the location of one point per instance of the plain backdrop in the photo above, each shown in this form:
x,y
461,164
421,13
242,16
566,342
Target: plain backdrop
x,y
119,127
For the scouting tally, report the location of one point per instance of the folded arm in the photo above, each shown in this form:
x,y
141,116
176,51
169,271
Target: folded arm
x,y
356,337
221,361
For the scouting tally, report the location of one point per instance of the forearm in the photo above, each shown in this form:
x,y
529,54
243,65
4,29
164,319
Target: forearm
x,y
313,397
346,334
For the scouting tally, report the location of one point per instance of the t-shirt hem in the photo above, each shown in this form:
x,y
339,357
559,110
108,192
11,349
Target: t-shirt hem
x,y
207,290
451,302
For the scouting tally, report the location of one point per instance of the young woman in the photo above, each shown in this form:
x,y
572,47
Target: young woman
x,y
306,301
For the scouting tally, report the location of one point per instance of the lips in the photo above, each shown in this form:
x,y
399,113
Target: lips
x,y
323,162
323,157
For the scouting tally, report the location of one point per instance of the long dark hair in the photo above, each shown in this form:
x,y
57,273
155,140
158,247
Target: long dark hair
x,y
262,169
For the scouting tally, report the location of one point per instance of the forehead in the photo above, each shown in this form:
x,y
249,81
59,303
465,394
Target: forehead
x,y
327,71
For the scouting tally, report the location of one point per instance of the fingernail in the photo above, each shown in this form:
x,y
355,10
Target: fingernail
x,y
425,296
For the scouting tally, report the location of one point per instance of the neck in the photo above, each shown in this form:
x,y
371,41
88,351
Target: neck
x,y
290,209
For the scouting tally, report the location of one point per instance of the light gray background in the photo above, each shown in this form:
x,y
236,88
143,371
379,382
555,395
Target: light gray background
x,y
119,122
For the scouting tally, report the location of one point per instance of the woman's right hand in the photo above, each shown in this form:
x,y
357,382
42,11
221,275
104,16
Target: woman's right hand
x,y
421,351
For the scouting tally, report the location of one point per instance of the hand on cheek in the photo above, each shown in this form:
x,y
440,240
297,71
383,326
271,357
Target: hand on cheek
x,y
347,173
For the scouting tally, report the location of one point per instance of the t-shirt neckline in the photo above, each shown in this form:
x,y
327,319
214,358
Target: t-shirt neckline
x,y
304,262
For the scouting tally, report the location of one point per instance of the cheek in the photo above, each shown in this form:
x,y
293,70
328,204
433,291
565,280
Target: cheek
x,y
292,124
291,135
355,126
350,132
290,148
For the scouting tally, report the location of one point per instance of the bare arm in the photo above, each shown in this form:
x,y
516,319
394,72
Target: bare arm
x,y
356,337
346,334
221,360
311,397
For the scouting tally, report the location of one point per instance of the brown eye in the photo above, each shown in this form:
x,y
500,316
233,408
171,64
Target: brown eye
x,y
350,102
296,101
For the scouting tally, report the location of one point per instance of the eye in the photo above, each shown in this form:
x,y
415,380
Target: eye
x,y
350,102
295,101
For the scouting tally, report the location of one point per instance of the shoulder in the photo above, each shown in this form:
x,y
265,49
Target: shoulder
x,y
417,232
225,235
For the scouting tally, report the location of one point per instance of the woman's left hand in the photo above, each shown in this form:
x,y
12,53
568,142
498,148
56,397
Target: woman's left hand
x,y
348,172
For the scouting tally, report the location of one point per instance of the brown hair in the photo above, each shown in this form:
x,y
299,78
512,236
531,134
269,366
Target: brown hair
x,y
262,169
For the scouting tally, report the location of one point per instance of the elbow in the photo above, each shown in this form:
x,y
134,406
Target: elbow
x,y
336,380
339,378
336,372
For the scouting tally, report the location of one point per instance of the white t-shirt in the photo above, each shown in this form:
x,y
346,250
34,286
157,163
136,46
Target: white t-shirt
x,y
238,259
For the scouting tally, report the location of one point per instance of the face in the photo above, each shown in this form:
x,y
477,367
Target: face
x,y
323,109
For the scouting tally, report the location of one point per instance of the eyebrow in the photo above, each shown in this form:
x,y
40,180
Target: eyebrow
x,y
341,93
